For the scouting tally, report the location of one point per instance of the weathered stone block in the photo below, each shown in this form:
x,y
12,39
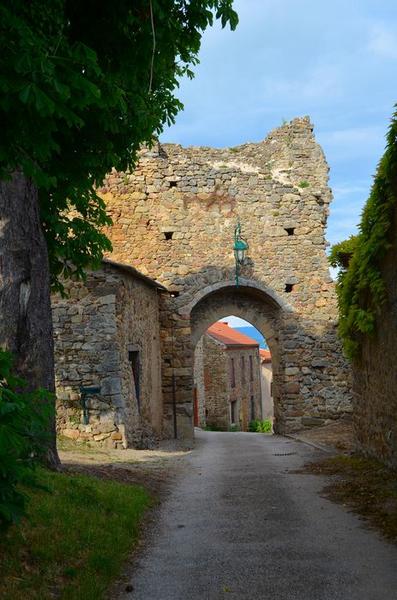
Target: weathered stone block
x,y
312,421
71,433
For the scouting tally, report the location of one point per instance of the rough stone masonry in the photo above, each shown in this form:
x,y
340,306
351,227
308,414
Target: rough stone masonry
x,y
174,219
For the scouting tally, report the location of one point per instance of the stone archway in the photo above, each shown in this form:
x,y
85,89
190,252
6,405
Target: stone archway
x,y
252,302
309,381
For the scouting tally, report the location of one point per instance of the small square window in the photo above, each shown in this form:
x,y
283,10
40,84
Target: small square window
x,y
289,287
168,235
173,184
290,230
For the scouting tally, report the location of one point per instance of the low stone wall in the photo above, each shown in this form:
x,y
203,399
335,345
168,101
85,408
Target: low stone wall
x,y
103,324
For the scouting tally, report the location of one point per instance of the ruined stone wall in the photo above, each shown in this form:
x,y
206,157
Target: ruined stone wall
x,y
375,376
174,220
174,217
95,328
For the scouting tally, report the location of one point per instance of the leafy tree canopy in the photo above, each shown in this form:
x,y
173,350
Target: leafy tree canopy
x,y
361,287
82,86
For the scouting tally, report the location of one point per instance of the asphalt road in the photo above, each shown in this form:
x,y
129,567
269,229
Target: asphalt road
x,y
241,524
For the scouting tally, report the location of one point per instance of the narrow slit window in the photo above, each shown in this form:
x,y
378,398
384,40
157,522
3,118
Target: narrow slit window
x,y
252,408
242,369
290,230
134,360
232,373
251,368
233,412
168,235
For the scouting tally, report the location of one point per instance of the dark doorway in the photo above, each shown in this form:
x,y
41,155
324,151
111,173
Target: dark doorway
x,y
133,357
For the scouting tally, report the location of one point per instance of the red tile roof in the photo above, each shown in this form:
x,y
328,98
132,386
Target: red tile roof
x,y
265,356
229,336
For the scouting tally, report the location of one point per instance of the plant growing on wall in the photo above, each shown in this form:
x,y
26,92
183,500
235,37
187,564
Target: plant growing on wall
x,y
82,86
361,288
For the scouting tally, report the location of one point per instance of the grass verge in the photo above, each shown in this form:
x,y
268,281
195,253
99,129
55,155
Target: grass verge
x,y
74,541
366,486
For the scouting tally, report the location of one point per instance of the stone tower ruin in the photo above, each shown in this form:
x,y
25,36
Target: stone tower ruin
x,y
174,220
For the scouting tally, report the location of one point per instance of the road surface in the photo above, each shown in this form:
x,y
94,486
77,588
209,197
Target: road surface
x,y
241,524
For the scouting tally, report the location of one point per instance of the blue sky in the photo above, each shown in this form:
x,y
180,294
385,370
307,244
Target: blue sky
x,y
334,61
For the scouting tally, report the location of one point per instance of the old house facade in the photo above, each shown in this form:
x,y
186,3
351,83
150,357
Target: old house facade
x,y
107,336
174,219
227,378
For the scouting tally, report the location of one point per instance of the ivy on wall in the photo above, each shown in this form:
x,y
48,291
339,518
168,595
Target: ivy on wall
x,y
361,288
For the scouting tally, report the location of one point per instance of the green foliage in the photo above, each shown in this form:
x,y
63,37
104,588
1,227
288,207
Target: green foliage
x,y
212,428
341,254
234,428
82,86
361,288
75,539
23,424
258,426
303,184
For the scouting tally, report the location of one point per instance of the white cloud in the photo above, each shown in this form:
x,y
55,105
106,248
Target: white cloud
x,y
383,42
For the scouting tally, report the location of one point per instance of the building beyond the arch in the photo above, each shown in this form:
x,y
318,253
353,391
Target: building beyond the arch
x,y
174,220
227,379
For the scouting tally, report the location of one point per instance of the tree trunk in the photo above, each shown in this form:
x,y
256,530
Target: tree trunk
x,y
25,305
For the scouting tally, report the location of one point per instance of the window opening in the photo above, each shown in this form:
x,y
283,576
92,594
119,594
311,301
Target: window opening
x,y
232,373
173,184
252,408
233,412
242,369
289,287
251,369
168,235
133,357
290,230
